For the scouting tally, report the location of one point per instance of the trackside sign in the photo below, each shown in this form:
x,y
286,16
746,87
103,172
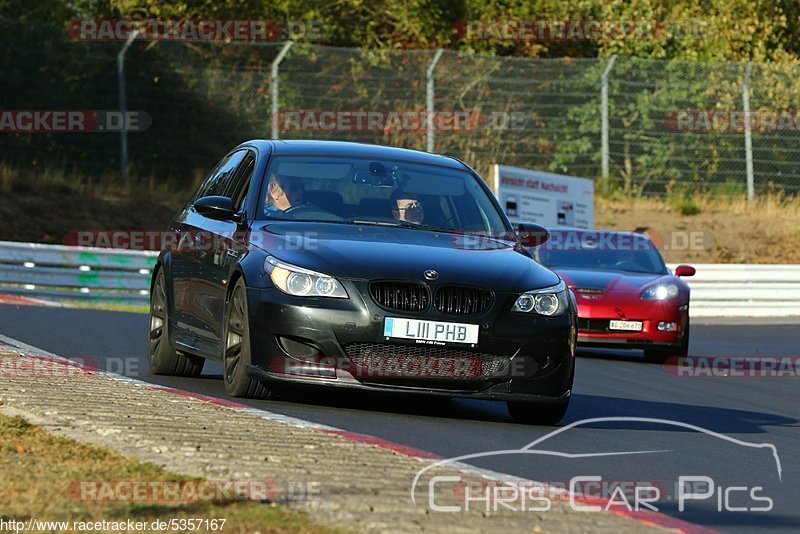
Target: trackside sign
x,y
544,198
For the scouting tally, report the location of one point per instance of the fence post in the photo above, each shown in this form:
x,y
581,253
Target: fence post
x,y
123,134
429,100
273,81
748,135
604,119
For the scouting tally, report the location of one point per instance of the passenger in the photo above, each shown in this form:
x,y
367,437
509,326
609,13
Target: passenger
x,y
408,207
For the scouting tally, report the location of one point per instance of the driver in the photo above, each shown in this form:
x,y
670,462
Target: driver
x,y
283,192
408,207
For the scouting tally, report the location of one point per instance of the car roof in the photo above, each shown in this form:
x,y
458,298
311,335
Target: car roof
x,y
344,148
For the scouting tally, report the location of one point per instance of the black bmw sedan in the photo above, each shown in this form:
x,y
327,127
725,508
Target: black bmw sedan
x,y
359,266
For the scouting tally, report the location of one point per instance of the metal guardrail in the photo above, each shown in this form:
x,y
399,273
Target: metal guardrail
x,y
75,272
68,272
744,290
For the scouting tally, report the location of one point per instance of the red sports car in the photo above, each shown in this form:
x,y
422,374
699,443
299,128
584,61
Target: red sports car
x,y
626,295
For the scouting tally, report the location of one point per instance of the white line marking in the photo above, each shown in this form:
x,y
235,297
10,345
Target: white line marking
x,y
264,414
257,412
302,423
30,349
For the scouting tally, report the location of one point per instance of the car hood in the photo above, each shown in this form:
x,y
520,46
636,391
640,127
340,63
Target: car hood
x,y
607,282
391,253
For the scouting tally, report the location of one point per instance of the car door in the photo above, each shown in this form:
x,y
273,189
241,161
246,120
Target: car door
x,y
228,245
198,313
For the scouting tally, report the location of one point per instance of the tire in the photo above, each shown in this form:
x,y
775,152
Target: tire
x,y
531,413
661,355
162,357
236,348
537,413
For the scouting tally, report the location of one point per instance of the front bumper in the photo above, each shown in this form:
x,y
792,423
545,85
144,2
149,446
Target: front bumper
x,y
340,343
594,331
499,392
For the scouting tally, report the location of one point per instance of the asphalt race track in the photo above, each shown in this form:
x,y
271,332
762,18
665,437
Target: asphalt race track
x,y
751,410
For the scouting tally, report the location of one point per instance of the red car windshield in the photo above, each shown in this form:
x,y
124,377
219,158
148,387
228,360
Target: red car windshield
x,y
598,251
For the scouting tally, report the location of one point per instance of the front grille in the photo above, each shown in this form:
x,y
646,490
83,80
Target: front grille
x,y
400,296
459,300
380,362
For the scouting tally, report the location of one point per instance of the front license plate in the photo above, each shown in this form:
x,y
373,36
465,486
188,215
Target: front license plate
x,y
430,332
630,326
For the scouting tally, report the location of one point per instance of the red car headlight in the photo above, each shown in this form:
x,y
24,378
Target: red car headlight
x,y
660,292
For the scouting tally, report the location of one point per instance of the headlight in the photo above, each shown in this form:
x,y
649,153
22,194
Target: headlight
x,y
660,292
546,301
302,282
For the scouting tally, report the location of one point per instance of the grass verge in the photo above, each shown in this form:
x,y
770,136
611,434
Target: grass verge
x,y
708,229
38,468
108,306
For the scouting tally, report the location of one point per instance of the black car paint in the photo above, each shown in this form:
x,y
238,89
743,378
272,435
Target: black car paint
x,y
362,253
379,252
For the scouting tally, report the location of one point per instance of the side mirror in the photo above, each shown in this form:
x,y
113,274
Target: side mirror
x,y
214,207
532,235
685,270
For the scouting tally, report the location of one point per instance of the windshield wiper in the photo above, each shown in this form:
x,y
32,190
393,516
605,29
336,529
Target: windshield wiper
x,y
404,224
440,229
369,222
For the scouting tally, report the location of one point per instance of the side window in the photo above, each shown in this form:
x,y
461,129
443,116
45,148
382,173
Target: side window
x,y
219,180
237,189
207,182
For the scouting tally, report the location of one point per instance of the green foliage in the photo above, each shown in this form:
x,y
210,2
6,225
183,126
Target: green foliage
x,y
714,30
729,188
683,203
207,98
14,426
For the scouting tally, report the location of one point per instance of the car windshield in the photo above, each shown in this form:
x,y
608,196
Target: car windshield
x,y
601,251
365,191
